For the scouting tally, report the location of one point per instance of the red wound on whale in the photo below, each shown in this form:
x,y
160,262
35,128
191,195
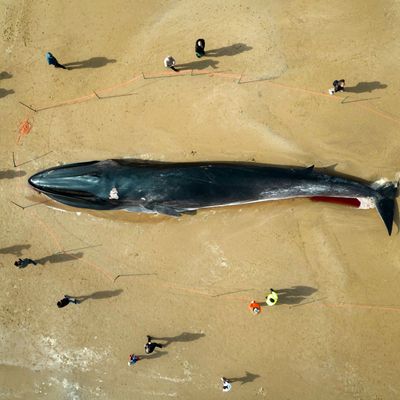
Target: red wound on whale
x,y
347,201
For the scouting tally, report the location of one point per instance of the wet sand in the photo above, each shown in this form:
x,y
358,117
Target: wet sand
x,y
335,331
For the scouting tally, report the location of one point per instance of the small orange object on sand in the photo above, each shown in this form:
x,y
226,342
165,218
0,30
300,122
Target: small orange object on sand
x,y
255,307
24,128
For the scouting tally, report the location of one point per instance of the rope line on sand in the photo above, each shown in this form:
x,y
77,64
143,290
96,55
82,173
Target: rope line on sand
x,y
62,250
378,112
47,228
366,306
326,305
193,72
368,108
196,291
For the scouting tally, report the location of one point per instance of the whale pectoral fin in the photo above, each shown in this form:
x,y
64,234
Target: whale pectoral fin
x,y
165,210
189,212
310,168
168,210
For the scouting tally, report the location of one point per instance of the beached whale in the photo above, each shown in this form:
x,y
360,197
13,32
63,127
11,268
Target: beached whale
x,y
182,188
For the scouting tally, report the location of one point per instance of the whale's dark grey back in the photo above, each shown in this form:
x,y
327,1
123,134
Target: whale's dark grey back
x,y
175,188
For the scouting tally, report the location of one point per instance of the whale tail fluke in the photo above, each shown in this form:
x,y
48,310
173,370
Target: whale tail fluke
x,y
385,204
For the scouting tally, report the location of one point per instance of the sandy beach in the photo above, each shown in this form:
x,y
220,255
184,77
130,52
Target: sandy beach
x,y
260,94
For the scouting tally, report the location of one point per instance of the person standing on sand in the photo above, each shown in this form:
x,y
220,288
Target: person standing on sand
x,y
272,298
255,308
150,346
169,62
226,386
133,359
53,61
199,48
66,300
338,86
24,262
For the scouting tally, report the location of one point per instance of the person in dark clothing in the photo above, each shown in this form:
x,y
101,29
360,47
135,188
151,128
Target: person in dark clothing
x,y
66,300
24,262
200,47
133,359
338,86
150,346
53,61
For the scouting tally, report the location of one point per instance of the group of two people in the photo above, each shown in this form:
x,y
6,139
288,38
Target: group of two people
x,y
338,86
199,49
270,299
149,347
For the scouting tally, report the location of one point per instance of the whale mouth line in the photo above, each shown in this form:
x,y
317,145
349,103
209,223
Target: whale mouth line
x,y
61,192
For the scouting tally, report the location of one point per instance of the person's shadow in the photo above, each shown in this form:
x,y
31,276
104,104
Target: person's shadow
x,y
5,92
59,257
231,50
105,294
203,64
294,295
11,173
249,377
16,250
183,337
363,87
5,75
94,62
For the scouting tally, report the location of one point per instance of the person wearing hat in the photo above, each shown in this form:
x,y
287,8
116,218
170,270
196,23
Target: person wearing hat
x,y
272,298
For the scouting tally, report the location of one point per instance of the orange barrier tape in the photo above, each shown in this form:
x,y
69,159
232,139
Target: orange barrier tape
x,y
52,234
211,74
168,74
24,128
72,101
46,227
303,90
198,73
224,74
380,113
367,306
135,78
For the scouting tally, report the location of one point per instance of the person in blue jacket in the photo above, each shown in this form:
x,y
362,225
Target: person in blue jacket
x,y
53,61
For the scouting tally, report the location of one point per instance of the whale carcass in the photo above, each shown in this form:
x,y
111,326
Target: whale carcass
x,y
176,188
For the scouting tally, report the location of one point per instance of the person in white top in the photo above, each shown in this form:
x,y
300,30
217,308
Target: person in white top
x,y
169,62
226,386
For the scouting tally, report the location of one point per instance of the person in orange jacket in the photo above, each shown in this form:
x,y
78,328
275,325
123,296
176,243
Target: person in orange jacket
x,y
255,308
